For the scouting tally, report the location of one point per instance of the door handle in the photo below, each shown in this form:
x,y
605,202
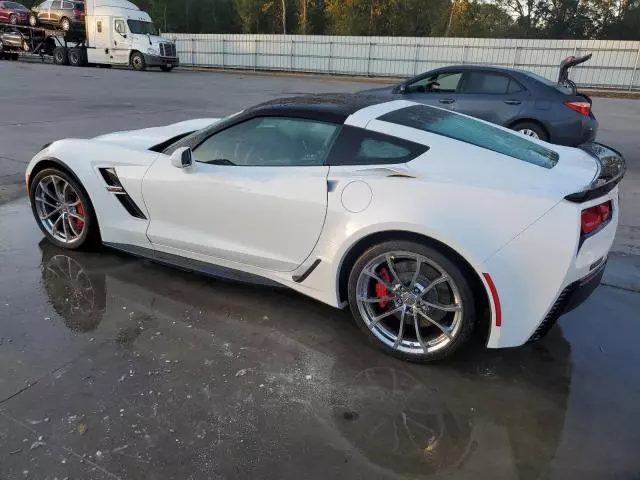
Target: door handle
x,y
447,100
512,102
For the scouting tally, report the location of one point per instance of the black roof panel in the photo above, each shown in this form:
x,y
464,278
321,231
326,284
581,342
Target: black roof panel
x,y
331,107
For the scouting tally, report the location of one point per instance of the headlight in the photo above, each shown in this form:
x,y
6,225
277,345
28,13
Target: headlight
x,y
153,51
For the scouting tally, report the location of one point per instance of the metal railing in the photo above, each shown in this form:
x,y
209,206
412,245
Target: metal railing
x,y
614,64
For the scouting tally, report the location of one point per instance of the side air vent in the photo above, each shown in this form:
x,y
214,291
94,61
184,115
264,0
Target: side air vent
x,y
130,206
114,186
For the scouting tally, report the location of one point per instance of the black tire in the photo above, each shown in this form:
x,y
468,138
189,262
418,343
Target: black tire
x,y
15,57
76,57
533,127
65,24
90,235
33,20
165,68
137,62
60,56
455,272
13,20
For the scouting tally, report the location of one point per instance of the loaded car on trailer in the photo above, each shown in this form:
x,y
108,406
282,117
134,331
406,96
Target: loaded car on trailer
x,y
114,32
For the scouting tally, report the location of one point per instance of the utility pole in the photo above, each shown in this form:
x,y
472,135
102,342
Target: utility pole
x,y
453,9
284,17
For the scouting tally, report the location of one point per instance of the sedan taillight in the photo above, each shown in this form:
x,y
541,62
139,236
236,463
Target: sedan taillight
x,y
583,108
593,217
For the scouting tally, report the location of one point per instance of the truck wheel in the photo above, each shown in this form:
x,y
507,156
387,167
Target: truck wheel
x,y
137,62
60,56
33,20
76,57
164,68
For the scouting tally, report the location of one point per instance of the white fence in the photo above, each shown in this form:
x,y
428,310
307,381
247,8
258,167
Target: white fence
x,y
614,63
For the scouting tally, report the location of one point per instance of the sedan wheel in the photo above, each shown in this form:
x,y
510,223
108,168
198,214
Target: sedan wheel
x,y
33,21
65,24
413,301
529,133
13,20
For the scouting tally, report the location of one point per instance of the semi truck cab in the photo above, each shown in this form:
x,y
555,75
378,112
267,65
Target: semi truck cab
x,y
119,33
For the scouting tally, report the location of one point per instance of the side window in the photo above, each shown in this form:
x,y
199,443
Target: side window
x,y
515,87
357,146
445,82
56,5
119,26
269,142
45,5
99,26
67,5
487,82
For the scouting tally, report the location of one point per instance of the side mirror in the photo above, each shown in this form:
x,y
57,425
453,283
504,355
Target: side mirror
x,y
182,158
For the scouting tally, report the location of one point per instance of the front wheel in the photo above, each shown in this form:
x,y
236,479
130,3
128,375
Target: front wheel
x,y
65,24
137,62
13,20
62,209
412,300
33,20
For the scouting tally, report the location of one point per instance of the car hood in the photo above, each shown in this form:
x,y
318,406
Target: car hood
x,y
146,138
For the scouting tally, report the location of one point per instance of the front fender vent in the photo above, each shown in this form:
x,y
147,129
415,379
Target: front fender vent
x,y
114,186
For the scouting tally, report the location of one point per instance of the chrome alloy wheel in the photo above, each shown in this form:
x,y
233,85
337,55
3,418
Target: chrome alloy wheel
x,y
529,133
60,210
409,302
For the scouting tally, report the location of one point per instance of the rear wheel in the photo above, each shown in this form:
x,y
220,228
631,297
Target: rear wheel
x,y
412,300
33,20
13,20
62,209
60,56
65,24
531,129
137,62
77,57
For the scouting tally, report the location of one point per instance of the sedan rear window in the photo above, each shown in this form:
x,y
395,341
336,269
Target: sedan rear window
x,y
474,132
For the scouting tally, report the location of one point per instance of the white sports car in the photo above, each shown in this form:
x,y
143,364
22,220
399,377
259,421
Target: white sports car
x,y
430,225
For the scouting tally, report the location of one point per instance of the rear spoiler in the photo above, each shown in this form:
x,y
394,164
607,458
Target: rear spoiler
x,y
565,65
612,168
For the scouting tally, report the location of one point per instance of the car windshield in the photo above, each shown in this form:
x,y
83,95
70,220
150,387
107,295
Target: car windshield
x,y
138,26
15,6
474,132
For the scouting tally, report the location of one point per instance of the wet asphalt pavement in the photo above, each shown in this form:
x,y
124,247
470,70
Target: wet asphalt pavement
x,y
112,367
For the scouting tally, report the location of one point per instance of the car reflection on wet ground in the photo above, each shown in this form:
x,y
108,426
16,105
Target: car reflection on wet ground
x,y
113,367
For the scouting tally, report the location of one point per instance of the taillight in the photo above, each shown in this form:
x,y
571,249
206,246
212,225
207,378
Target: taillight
x,y
593,217
583,108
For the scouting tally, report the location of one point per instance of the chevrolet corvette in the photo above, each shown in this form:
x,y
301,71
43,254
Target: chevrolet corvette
x,y
431,226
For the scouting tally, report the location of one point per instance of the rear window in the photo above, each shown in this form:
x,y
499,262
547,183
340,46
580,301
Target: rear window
x,y
547,82
474,132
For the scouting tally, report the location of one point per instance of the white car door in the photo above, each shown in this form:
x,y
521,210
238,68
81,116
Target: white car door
x,y
121,47
256,194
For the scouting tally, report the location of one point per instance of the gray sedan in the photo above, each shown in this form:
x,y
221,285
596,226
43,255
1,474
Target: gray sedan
x,y
517,99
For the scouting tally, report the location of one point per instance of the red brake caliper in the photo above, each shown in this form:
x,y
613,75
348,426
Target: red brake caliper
x,y
381,290
80,212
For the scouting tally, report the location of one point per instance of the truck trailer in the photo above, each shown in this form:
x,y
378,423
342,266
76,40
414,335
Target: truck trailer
x,y
115,32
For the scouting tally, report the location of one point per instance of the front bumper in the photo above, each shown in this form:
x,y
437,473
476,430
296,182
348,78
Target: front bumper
x,y
571,297
158,61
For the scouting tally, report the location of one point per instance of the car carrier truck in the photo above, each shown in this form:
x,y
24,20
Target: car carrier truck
x,y
115,32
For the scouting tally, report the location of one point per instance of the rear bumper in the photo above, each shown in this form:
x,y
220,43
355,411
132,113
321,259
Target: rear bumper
x,y
571,297
157,61
574,131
